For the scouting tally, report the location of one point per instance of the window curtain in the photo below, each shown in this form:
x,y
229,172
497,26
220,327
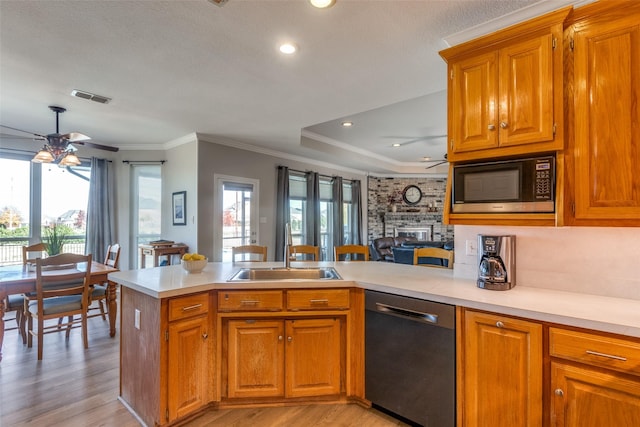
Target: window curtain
x,y
282,210
338,218
101,231
312,210
356,212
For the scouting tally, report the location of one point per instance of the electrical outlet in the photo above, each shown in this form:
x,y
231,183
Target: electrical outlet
x,y
136,319
471,248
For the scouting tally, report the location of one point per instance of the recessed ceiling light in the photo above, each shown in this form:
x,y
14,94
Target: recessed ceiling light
x,y
322,4
426,158
397,144
347,124
288,48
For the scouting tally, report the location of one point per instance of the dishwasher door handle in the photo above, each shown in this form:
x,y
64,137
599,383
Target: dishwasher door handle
x,y
406,313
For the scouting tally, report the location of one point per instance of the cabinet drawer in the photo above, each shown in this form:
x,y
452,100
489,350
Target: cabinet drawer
x,y
250,301
192,305
318,299
597,350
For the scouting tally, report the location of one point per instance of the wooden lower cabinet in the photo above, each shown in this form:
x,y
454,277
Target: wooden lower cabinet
x,y
595,379
255,358
312,357
188,366
284,358
501,372
584,397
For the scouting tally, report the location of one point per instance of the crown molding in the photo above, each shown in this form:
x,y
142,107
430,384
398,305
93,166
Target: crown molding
x,y
512,18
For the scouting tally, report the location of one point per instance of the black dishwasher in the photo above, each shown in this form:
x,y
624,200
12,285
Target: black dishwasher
x,y
410,360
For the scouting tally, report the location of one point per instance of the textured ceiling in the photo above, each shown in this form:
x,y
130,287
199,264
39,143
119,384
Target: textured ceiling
x,y
174,68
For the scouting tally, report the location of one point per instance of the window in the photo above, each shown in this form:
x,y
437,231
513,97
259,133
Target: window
x,y
298,214
37,196
237,205
146,203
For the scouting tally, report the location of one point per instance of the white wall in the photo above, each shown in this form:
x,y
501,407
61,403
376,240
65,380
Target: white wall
x,y
594,260
225,160
179,173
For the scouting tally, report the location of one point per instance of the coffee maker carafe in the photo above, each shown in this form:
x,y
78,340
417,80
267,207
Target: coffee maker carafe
x,y
496,262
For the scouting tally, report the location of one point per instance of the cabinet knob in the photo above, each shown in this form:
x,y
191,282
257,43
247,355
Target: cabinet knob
x,y
205,336
289,339
559,392
504,125
279,337
491,127
499,324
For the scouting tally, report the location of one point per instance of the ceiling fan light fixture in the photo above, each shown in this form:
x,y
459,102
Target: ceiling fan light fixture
x,y
43,156
70,159
322,4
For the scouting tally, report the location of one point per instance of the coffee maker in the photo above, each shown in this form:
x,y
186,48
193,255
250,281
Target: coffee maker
x,y
496,262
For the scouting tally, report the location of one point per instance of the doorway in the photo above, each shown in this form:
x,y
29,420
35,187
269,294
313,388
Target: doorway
x,y
236,207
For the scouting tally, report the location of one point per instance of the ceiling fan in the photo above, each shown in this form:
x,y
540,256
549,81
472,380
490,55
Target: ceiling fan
x,y
58,148
412,140
437,162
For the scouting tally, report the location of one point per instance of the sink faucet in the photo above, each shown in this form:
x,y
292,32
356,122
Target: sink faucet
x,y
288,242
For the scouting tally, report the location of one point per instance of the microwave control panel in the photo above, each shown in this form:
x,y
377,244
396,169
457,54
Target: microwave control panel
x,y
544,180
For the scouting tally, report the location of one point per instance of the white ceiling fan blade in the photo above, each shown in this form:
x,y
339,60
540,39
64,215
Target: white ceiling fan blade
x,y
75,136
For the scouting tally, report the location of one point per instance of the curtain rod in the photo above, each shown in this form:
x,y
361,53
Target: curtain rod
x,y
143,161
319,174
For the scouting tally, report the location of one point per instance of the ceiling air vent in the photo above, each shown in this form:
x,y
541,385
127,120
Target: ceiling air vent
x,y
219,2
90,96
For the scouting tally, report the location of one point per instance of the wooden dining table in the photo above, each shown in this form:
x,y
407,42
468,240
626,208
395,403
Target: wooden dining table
x,y
18,279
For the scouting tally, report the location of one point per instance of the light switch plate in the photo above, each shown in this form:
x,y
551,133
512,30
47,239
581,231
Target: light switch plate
x,y
471,248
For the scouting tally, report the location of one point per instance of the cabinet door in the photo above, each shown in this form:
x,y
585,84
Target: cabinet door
x,y
188,365
313,357
526,92
473,104
585,397
607,118
255,358
502,375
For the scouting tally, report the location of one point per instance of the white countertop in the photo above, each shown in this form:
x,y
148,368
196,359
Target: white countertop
x,y
601,313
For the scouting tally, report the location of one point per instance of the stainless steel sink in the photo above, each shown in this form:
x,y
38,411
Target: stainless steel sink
x,y
318,273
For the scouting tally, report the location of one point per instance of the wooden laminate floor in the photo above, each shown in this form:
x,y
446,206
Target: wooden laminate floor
x,y
76,387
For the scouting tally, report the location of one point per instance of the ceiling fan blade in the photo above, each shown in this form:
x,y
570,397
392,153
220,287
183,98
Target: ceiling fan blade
x,y
436,164
75,136
98,146
18,137
23,131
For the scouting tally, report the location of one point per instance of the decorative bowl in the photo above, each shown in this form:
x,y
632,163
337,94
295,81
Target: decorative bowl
x,y
194,266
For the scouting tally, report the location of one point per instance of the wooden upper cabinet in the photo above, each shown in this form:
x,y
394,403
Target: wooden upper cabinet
x,y
603,161
473,100
505,91
526,92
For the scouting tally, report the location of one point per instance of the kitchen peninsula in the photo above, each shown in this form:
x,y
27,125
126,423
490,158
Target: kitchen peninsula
x,y
183,335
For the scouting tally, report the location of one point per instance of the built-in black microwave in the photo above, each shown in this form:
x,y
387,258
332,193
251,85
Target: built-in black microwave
x,y
510,186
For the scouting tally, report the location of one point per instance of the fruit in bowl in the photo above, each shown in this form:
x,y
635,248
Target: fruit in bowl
x,y
194,263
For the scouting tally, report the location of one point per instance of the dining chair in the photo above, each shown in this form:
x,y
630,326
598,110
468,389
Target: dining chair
x,y
62,290
304,251
16,302
353,252
249,253
39,249
99,291
437,253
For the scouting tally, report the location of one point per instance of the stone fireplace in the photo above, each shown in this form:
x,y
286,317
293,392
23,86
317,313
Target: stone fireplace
x,y
424,217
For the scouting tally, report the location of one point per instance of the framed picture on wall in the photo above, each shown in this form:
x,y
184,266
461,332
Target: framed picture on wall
x,y
179,208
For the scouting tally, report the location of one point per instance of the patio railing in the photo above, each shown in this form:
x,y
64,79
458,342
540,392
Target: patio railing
x,y
12,253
